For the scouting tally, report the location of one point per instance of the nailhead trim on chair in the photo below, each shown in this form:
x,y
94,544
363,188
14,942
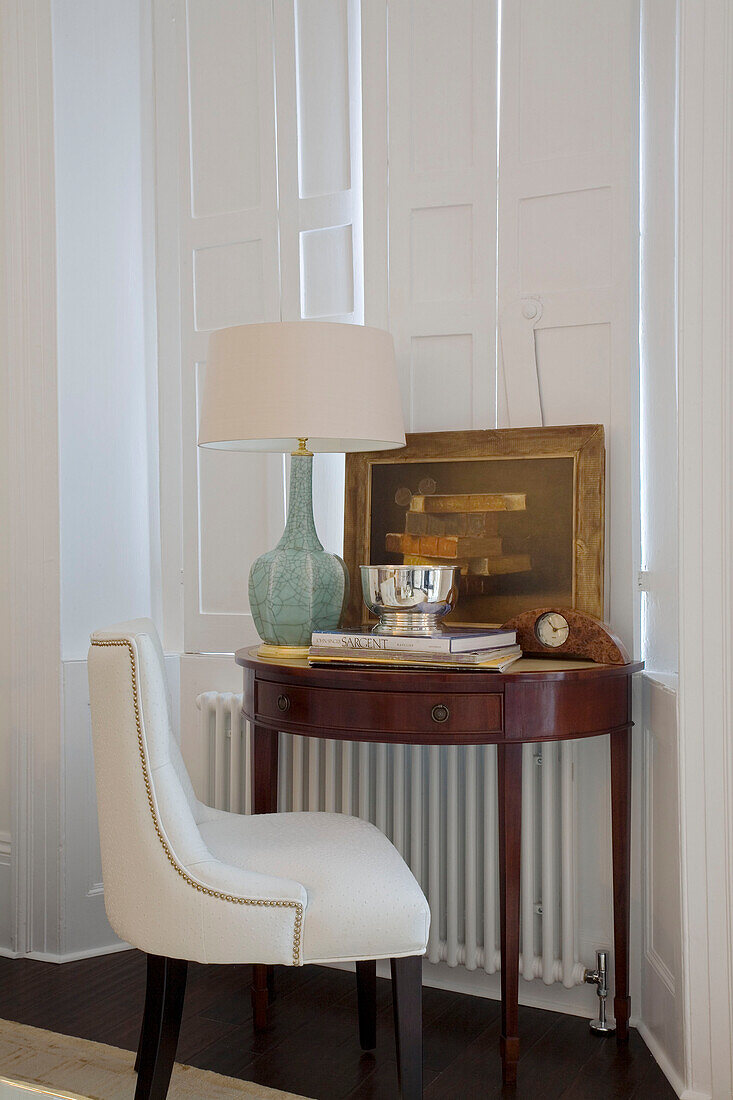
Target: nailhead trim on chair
x,y
278,903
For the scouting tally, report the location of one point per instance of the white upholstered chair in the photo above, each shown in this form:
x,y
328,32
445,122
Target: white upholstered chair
x,y
185,882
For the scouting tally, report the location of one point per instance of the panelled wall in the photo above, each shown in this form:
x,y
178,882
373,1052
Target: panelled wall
x,y
476,225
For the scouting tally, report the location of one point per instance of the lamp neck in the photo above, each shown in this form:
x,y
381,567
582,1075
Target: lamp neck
x,y
300,528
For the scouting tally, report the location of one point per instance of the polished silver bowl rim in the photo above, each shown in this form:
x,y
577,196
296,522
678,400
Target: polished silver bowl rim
x,y
412,568
430,599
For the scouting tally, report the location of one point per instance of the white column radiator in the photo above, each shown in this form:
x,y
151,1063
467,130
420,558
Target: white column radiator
x,y
438,806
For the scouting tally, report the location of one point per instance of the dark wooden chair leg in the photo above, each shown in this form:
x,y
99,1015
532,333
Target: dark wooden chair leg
x,y
366,992
407,1001
153,1009
159,1046
260,996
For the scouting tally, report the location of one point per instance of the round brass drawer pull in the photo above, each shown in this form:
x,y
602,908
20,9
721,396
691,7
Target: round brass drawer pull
x,y
440,713
283,703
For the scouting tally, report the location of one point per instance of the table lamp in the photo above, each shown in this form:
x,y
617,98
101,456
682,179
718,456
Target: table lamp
x,y
299,386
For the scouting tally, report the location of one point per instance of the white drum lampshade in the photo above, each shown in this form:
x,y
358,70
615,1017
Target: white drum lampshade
x,y
267,386
276,387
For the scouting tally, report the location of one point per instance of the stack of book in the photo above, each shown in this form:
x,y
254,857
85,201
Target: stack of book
x,y
461,529
485,650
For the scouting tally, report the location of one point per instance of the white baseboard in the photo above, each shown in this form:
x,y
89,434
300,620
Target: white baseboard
x,y
578,1001
661,1058
74,956
5,894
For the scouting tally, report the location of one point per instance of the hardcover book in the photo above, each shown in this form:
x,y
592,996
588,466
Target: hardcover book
x,y
459,642
486,661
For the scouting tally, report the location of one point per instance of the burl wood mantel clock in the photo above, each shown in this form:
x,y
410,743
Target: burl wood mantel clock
x,y
565,632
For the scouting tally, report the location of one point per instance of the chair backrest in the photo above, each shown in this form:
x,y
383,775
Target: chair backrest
x,y
148,811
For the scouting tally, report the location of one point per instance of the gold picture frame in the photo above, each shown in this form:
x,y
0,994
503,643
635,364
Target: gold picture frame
x,y
521,510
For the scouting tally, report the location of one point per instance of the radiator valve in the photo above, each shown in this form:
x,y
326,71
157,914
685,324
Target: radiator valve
x,y
599,978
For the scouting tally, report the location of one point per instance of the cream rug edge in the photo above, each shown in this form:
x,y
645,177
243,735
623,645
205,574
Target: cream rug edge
x,y
102,1072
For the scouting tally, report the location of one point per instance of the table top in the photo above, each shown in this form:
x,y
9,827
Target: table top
x,y
527,669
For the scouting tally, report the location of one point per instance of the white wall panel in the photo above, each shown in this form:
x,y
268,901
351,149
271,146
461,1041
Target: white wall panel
x,y
565,241
318,67
227,282
568,242
441,254
565,107
573,373
661,963
104,434
225,87
442,371
657,339
322,67
327,272
432,217
442,85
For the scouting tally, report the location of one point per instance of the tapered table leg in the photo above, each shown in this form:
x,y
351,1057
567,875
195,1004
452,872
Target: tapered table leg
x,y
510,821
621,841
264,801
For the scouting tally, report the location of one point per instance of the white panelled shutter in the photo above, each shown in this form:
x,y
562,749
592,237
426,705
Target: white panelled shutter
x,y
238,88
434,199
568,235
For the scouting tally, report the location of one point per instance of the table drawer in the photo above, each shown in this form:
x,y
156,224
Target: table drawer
x,y
394,712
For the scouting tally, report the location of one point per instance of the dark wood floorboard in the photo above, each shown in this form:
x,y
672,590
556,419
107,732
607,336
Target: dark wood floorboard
x,y
311,1045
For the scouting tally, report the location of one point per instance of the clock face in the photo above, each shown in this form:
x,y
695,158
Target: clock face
x,y
552,629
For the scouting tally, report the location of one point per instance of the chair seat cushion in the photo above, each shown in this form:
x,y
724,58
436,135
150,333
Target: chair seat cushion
x,y
363,900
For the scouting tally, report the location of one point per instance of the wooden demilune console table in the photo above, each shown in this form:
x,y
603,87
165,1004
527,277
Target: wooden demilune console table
x,y
536,700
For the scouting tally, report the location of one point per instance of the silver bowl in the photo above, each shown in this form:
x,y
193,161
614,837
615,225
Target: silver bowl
x,y
409,599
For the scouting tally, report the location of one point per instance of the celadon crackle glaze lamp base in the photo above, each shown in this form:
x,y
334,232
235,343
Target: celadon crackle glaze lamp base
x,y
269,387
298,587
